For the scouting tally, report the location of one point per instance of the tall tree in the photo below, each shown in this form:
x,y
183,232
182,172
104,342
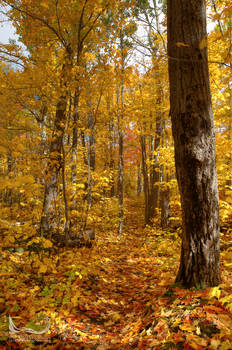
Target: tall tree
x,y
153,44
194,140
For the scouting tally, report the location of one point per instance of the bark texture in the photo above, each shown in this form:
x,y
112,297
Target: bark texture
x,y
194,140
47,224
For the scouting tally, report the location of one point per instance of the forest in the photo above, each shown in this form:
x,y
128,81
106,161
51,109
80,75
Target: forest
x,y
115,175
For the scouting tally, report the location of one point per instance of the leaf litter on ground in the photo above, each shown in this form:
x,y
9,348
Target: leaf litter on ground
x,y
120,294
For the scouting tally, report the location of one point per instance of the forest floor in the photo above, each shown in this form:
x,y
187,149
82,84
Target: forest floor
x,y
119,294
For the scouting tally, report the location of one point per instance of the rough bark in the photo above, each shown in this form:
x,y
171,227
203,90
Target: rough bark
x,y
194,141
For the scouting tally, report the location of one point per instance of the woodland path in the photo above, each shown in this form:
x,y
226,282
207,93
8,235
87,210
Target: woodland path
x,y
122,289
116,296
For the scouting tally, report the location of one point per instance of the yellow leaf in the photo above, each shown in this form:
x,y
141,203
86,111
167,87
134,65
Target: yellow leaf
x,y
44,4
226,345
195,341
9,239
214,344
47,243
114,341
81,186
94,336
162,283
203,43
75,298
102,347
215,292
177,322
116,317
20,147
43,269
187,327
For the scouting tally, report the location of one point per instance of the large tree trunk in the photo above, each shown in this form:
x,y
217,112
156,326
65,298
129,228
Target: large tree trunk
x,y
194,140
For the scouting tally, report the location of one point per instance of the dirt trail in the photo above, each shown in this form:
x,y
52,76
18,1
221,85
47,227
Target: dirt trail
x,y
119,296
116,296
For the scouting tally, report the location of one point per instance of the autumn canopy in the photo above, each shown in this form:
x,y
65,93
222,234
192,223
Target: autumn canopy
x,y
115,174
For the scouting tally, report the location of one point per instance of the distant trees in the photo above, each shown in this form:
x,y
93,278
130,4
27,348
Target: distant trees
x,y
88,124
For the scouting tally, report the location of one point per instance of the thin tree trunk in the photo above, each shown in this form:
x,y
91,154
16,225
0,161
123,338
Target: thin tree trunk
x,y
139,181
112,163
91,155
152,179
165,190
120,103
8,197
66,213
110,160
120,157
145,177
155,169
74,140
47,224
120,181
91,123
165,207
194,140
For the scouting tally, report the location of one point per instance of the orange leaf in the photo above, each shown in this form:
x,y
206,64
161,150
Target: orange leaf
x,y
180,44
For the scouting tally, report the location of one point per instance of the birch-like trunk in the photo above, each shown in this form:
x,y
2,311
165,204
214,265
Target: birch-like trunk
x,y
48,218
